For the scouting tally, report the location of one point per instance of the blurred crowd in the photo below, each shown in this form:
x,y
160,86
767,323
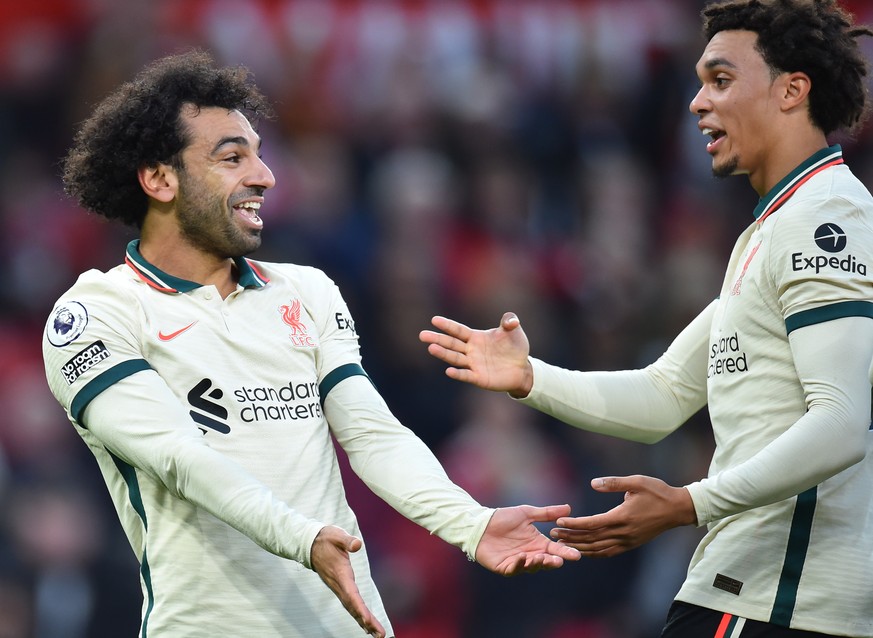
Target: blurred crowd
x,y
456,157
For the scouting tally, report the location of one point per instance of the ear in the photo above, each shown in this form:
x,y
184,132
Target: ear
x,y
159,182
796,87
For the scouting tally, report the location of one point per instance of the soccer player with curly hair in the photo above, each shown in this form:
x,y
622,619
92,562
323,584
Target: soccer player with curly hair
x,y
210,387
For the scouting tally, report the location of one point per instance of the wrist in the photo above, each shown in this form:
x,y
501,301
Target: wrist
x,y
689,512
526,384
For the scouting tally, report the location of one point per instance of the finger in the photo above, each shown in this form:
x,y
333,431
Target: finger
x,y
607,552
562,551
602,546
614,483
451,356
547,513
576,538
453,328
513,565
540,562
364,617
443,340
590,523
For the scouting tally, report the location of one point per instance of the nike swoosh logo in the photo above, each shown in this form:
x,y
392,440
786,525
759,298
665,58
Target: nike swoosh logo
x,y
173,335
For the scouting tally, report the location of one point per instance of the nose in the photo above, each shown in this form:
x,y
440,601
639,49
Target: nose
x,y
700,103
261,175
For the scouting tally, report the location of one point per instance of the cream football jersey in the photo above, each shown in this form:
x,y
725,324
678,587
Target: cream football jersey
x,y
211,421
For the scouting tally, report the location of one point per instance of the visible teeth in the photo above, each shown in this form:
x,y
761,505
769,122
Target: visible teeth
x,y
252,205
707,131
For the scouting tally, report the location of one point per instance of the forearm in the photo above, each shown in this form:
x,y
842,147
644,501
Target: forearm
x,y
829,438
640,405
400,468
156,436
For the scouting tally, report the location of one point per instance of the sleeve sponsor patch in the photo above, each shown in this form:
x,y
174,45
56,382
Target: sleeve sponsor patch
x,y
66,324
84,360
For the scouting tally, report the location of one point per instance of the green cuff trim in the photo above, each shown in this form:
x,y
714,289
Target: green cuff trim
x,y
336,375
102,381
828,313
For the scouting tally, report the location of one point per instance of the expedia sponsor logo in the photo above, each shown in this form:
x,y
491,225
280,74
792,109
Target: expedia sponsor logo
x,y
83,361
831,239
727,357
849,263
344,323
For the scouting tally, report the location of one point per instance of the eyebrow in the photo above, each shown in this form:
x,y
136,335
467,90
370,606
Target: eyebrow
x,y
716,62
238,140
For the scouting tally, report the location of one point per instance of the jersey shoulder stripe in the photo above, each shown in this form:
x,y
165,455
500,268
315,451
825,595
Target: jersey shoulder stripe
x,y
829,313
102,381
336,375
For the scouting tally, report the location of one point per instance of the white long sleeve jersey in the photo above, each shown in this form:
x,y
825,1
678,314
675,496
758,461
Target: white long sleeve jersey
x,y
211,421
782,358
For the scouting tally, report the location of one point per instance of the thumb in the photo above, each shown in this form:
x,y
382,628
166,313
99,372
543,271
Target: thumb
x,y
353,544
509,321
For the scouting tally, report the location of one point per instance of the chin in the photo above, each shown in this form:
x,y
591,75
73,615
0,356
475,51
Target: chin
x,y
726,168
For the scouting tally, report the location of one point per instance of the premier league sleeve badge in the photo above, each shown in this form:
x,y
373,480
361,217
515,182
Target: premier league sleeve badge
x,y
66,324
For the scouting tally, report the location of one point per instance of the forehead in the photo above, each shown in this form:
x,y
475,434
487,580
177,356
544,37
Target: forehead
x,y
210,125
734,50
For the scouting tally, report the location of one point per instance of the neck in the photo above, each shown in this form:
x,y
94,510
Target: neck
x,y
789,151
175,256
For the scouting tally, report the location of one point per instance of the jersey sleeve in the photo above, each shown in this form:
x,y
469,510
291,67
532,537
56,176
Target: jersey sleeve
x,y
399,468
830,437
639,405
391,460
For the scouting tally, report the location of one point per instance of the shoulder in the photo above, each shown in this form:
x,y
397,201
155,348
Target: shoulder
x,y
834,201
95,293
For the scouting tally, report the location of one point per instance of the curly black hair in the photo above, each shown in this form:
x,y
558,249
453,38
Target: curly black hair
x,y
815,37
139,124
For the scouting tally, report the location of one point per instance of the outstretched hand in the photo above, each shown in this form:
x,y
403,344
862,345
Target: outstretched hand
x,y
494,359
512,544
330,560
650,507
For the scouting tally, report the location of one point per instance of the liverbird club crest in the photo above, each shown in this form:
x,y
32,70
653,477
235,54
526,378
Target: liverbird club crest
x,y
291,317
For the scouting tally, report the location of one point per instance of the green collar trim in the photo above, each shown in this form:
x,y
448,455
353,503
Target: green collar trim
x,y
249,275
782,192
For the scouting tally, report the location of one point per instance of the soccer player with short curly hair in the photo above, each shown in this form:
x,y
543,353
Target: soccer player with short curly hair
x,y
782,357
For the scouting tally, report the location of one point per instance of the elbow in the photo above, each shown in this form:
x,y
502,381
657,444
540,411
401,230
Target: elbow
x,y
654,434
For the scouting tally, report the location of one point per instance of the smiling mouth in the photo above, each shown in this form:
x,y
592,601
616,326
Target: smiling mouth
x,y
249,211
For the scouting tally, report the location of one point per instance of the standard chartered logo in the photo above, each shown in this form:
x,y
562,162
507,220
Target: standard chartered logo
x,y
726,356
292,401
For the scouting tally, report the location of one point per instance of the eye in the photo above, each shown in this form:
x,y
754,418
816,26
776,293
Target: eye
x,y
233,159
721,82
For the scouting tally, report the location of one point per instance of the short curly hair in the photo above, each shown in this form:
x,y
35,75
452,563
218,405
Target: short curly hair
x,y
140,124
815,37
